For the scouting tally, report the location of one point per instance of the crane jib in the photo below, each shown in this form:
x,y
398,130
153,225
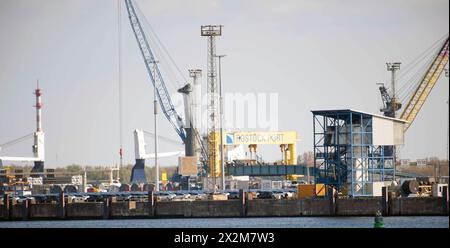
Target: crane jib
x,y
427,83
155,74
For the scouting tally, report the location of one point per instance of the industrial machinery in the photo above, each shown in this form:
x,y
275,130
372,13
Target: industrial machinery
x,y
419,186
184,130
38,136
420,93
413,94
138,174
353,150
187,129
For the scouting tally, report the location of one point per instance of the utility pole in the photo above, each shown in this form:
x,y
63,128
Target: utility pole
x,y
155,104
119,53
222,164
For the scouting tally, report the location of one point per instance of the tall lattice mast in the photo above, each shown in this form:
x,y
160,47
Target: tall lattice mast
x,y
211,31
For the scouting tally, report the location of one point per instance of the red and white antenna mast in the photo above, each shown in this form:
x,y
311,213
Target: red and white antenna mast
x,y
39,145
38,107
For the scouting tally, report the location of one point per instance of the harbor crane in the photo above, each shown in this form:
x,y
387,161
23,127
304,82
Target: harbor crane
x,y
185,131
421,92
415,92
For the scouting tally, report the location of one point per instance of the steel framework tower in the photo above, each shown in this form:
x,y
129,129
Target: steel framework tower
x,y
348,151
211,31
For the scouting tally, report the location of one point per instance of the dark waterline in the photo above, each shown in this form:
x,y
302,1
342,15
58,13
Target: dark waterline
x,y
275,222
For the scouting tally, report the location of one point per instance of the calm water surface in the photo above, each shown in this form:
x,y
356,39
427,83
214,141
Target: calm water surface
x,y
277,222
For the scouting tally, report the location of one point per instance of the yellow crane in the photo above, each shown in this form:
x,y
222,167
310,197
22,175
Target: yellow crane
x,y
422,92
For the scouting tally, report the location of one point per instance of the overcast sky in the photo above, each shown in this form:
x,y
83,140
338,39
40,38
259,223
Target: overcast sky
x,y
314,54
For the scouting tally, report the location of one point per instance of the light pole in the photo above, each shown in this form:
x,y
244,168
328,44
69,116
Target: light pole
x,y
448,117
155,111
221,121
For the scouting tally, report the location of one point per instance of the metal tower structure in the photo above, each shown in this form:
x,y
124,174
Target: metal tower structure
x,y
38,147
38,144
212,31
353,150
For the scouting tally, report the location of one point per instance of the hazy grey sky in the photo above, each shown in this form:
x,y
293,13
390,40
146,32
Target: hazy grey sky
x,y
314,54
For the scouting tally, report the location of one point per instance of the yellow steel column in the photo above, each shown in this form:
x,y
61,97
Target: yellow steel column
x,y
292,154
214,154
283,153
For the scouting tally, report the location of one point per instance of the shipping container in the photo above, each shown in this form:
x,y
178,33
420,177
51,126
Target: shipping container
x,y
310,190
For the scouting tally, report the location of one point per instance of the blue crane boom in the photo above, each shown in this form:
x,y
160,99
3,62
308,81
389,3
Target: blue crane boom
x,y
155,74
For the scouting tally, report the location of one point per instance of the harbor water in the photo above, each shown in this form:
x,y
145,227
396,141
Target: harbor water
x,y
269,222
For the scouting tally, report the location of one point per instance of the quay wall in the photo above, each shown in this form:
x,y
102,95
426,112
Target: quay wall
x,y
418,206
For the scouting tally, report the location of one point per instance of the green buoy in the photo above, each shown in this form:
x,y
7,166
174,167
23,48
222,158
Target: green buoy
x,y
378,220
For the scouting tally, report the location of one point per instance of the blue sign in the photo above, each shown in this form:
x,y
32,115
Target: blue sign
x,y
230,139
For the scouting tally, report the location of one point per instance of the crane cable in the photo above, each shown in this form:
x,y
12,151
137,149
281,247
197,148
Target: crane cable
x,y
419,76
15,141
419,58
163,138
119,33
158,45
162,50
422,56
428,55
416,79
